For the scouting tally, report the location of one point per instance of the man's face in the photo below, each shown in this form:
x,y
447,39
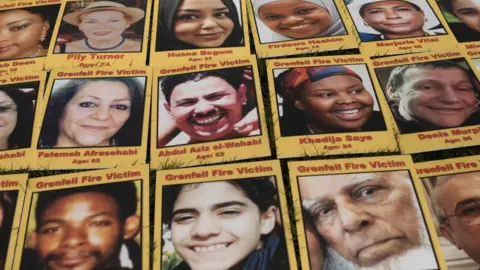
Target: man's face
x,y
367,218
82,231
394,17
215,226
459,198
440,97
207,109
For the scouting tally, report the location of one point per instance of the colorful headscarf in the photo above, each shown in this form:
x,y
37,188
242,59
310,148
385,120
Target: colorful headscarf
x,y
297,79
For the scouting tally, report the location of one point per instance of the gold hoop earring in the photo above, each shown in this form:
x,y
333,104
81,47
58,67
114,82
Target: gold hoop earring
x,y
366,24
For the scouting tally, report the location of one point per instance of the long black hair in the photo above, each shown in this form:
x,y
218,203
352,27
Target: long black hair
x,y
166,39
129,135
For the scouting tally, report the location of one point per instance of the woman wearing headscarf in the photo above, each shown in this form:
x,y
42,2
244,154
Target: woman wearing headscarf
x,y
468,12
294,19
194,24
103,25
394,19
331,99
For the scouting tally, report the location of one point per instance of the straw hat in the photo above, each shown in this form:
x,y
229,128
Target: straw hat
x,y
136,14
355,5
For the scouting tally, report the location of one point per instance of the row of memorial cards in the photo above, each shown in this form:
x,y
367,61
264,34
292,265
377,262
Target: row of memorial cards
x,y
214,112
349,214
55,34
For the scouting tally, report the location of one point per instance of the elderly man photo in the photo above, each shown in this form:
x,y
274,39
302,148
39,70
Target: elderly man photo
x,y
433,95
456,203
368,221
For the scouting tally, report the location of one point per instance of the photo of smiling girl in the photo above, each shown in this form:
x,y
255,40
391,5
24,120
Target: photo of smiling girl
x,y
196,24
328,99
463,18
378,20
284,20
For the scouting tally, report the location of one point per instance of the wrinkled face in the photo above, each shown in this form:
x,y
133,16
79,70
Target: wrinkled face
x,y
366,217
82,231
215,226
394,17
469,12
204,24
441,97
459,198
103,24
94,114
207,109
20,33
8,116
336,103
315,249
295,19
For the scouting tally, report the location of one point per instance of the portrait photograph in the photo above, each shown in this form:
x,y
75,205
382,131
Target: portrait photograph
x,y
454,201
433,95
326,99
233,224
94,112
378,20
207,106
366,220
197,24
286,20
476,62
18,103
85,227
26,32
463,17
90,26
8,204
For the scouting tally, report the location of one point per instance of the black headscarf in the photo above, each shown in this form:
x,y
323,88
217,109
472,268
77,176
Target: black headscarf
x,y
166,39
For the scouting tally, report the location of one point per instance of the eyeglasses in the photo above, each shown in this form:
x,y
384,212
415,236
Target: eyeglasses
x,y
468,212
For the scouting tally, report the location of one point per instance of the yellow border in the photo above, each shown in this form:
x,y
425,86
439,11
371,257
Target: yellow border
x,y
129,174
98,60
161,58
63,158
15,159
337,166
21,182
448,166
429,140
32,64
215,151
322,44
332,143
252,169
406,45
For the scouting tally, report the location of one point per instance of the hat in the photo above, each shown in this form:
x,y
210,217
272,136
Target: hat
x,y
354,7
135,13
295,78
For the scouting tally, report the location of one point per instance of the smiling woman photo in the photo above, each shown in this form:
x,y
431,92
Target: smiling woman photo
x,y
378,20
331,99
94,112
103,25
468,12
26,32
293,19
194,24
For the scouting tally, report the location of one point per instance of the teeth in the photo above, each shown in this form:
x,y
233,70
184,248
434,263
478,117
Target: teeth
x,y
211,248
299,26
348,112
209,120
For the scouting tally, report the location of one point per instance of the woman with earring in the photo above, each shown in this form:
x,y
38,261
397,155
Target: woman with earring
x,y
26,32
394,19
103,25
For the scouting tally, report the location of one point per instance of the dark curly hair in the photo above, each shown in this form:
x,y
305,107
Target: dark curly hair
x,y
21,135
260,190
129,135
8,201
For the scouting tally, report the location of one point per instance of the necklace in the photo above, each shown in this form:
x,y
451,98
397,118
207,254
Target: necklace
x,y
105,49
40,48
